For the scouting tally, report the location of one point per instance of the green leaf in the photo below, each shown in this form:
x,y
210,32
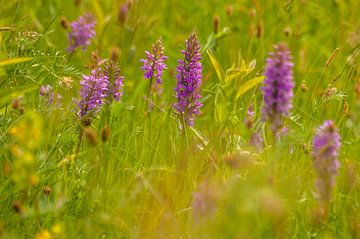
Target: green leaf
x,y
210,43
99,15
5,28
236,72
223,33
11,61
252,64
9,94
201,136
232,73
221,110
219,70
214,40
248,85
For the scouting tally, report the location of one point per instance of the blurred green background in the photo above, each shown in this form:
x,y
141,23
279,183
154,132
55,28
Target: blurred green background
x,y
141,184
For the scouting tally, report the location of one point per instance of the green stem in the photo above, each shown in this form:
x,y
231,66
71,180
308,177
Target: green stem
x,y
79,141
69,57
148,94
184,126
37,210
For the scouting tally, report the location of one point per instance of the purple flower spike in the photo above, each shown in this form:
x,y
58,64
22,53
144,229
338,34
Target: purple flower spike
x,y
117,87
278,87
204,202
257,141
82,31
115,80
93,92
326,145
154,63
189,81
102,87
47,92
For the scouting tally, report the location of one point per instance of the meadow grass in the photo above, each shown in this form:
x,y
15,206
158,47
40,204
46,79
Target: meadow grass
x,y
149,179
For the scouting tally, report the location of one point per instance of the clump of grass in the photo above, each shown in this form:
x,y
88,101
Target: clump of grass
x,y
116,170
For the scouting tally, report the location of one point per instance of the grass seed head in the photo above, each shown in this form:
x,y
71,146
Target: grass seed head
x,y
105,133
91,136
64,23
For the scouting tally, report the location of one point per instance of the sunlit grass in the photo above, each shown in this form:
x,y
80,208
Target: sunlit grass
x,y
133,173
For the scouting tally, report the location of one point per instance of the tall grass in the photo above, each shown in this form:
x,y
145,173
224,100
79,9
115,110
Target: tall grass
x,y
145,181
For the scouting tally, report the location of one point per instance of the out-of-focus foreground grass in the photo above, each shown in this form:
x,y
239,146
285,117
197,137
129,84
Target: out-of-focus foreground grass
x,y
144,181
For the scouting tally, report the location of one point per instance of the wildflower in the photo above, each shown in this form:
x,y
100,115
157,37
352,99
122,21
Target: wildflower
x,y
94,90
278,87
249,120
82,31
57,229
51,96
204,202
115,80
326,145
154,63
103,86
45,90
257,141
43,235
33,179
189,81
66,82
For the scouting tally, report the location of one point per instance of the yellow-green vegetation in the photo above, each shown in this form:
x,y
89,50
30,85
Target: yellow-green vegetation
x,y
133,167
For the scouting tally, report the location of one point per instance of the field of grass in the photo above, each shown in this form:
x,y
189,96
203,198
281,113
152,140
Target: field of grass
x,y
134,169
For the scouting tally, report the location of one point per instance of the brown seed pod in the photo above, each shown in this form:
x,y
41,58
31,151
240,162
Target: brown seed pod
x,y
115,53
123,12
86,121
303,86
64,23
18,207
105,133
16,104
229,10
216,22
91,136
47,190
